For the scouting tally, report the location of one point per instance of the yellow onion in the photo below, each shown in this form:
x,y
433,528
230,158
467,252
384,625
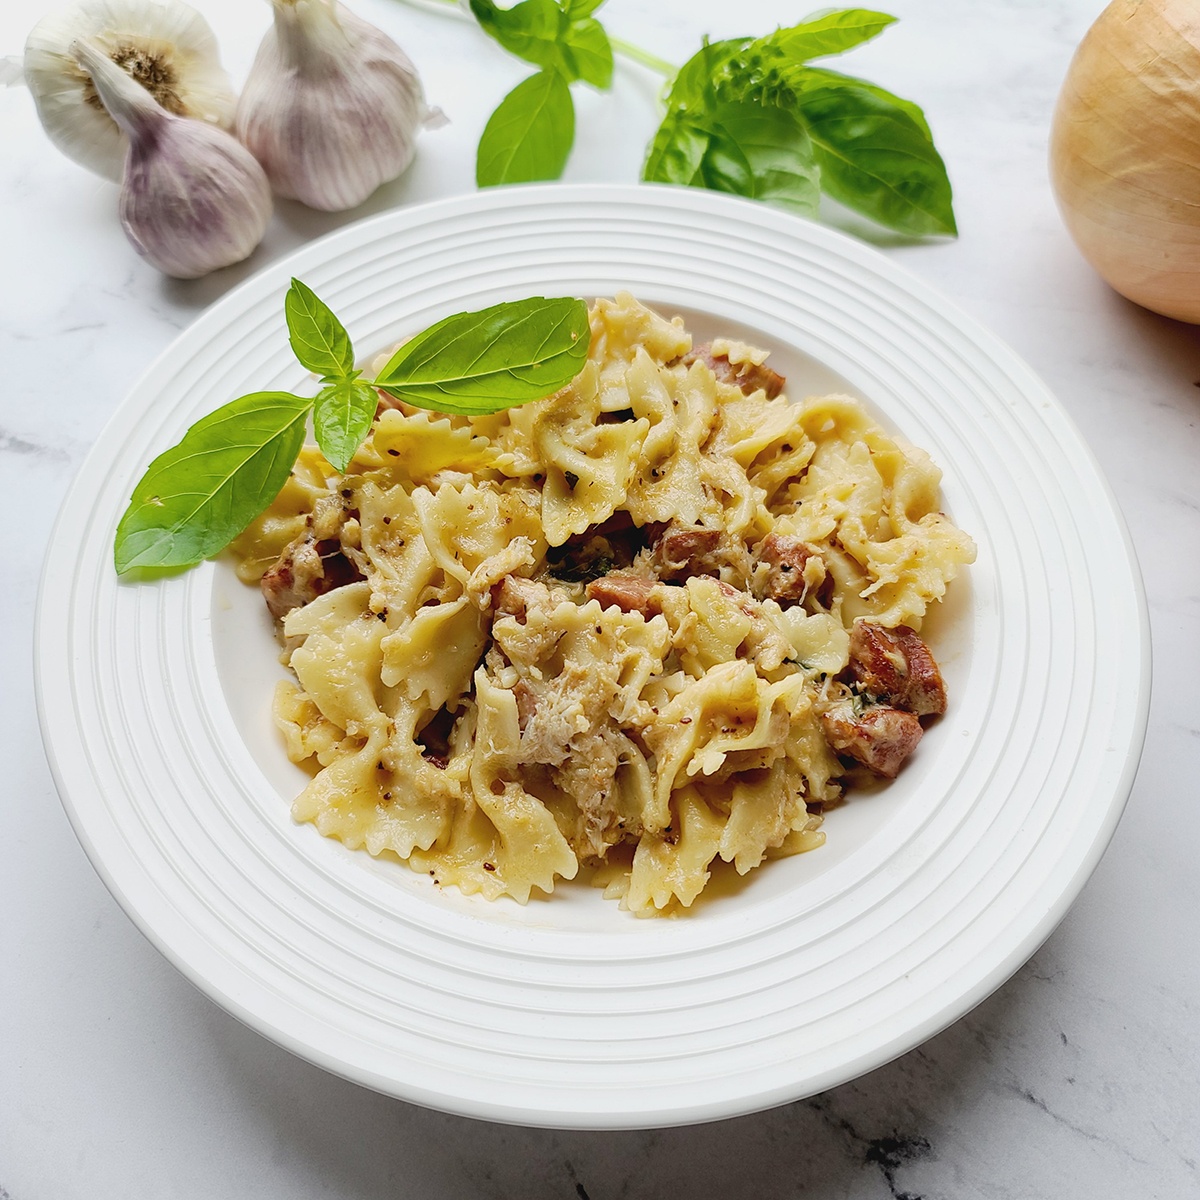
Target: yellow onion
x,y
1125,152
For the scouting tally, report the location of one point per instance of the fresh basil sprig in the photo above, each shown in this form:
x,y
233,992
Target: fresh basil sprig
x,y
750,116
196,497
869,150
530,134
345,406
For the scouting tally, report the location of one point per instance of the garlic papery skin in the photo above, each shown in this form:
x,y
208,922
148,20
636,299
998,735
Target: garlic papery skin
x,y
192,199
1125,152
167,47
331,107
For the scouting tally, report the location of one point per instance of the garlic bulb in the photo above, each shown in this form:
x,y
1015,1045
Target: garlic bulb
x,y
168,48
193,199
1125,152
331,107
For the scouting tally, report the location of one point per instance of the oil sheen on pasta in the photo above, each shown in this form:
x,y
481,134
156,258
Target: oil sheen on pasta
x,y
607,629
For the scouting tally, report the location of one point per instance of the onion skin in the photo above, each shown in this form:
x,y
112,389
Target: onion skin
x,y
1125,152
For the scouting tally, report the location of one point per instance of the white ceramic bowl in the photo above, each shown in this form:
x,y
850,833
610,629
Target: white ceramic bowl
x,y
569,1012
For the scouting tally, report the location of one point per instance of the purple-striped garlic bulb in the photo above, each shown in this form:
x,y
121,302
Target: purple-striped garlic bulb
x,y
192,198
332,105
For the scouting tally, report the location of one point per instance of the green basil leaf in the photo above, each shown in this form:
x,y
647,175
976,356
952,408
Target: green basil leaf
x,y
484,361
761,69
199,495
543,33
316,335
529,136
342,416
812,78
745,148
530,30
762,153
576,10
755,68
676,152
585,53
876,159
693,87
832,32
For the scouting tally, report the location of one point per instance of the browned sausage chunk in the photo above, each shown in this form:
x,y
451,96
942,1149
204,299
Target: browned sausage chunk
x,y
786,558
685,550
881,737
895,665
629,593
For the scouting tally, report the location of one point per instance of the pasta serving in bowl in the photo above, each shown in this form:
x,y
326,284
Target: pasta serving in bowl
x,y
644,624
641,632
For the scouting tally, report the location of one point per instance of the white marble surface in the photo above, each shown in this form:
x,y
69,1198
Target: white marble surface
x,y
1079,1078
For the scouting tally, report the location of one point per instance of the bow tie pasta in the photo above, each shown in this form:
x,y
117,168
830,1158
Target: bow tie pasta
x,y
646,623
